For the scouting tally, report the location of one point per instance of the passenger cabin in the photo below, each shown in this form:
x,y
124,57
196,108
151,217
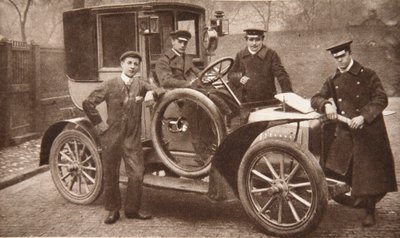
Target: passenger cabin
x,y
95,37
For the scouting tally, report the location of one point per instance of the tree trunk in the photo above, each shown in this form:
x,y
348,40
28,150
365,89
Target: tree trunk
x,y
23,34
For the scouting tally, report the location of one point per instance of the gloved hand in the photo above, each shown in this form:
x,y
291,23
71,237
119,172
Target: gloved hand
x,y
330,112
157,93
195,83
244,79
357,122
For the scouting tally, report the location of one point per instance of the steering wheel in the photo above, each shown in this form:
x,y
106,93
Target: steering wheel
x,y
216,70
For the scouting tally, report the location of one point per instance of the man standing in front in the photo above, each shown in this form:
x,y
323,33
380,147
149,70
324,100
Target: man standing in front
x,y
120,136
360,152
255,69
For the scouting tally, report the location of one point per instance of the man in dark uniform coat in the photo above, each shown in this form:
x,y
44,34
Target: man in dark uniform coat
x,y
120,136
255,69
175,69
360,151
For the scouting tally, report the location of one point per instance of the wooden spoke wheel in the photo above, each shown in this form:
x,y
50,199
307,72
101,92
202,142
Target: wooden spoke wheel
x,y
282,188
76,167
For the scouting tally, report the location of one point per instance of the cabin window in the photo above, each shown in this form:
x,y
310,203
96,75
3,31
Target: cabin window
x,y
160,42
184,21
190,22
117,34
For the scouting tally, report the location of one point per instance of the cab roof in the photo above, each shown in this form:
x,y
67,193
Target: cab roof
x,y
145,6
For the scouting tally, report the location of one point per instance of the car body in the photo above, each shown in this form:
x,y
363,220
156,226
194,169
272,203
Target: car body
x,y
273,165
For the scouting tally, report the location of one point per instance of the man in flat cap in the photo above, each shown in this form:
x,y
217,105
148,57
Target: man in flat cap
x,y
360,153
255,69
120,136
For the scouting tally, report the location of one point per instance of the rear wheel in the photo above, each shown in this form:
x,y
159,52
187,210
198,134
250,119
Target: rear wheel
x,y
282,188
76,167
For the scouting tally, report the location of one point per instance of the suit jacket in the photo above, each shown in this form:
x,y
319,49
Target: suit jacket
x,y
359,92
261,68
124,103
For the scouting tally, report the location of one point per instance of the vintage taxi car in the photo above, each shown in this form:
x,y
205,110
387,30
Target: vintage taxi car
x,y
271,159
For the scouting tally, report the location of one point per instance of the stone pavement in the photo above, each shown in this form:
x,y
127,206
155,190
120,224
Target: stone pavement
x,y
20,162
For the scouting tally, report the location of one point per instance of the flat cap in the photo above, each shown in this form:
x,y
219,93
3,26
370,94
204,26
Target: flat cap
x,y
340,49
130,53
252,32
181,35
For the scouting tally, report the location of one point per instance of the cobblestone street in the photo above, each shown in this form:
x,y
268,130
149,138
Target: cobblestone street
x,y
35,208
19,159
20,162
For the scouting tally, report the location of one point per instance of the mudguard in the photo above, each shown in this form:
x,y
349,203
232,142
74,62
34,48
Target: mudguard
x,y
227,158
81,123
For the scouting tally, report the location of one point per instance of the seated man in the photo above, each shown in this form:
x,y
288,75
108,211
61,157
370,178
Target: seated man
x,y
175,69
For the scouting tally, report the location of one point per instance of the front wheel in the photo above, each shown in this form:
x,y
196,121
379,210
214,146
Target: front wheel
x,y
76,167
282,188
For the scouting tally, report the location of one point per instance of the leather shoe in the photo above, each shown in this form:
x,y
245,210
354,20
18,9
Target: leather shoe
x,y
112,217
138,215
369,220
338,189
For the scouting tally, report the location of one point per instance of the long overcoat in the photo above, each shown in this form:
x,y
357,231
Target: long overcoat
x,y
122,139
262,68
365,153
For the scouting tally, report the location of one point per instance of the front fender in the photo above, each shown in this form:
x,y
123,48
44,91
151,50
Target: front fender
x,y
228,156
81,123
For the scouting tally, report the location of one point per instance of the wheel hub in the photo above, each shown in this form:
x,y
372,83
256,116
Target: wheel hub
x,y
74,167
280,186
176,125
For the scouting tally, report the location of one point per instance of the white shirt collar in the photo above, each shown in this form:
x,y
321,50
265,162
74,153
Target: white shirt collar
x,y
176,52
348,67
126,79
253,52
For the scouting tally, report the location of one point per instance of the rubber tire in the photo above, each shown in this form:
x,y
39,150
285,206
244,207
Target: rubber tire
x,y
314,172
55,148
211,110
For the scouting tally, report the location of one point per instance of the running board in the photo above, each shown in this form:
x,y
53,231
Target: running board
x,y
179,184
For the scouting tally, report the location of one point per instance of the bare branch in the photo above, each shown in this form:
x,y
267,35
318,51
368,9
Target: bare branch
x,y
261,13
269,15
234,16
53,29
16,7
28,4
